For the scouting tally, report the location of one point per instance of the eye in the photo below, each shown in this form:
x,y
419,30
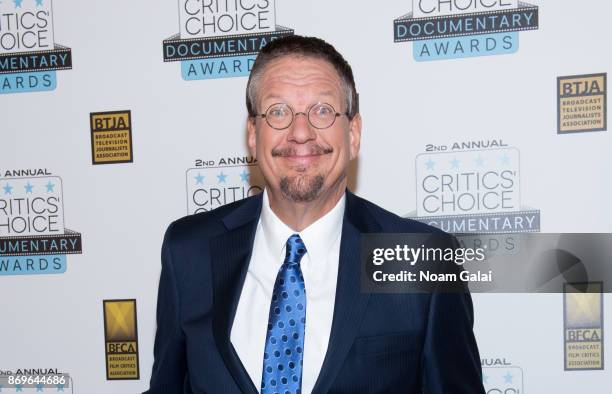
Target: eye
x,y
278,112
323,110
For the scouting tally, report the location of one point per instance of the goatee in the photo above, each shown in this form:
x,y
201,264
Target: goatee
x,y
301,188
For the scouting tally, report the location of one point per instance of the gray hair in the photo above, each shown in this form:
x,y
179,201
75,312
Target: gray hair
x,y
301,46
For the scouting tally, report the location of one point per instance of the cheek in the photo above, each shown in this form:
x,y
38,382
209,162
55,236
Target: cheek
x,y
263,141
265,145
341,144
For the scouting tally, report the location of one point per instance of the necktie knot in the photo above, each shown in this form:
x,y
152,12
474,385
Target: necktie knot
x,y
295,249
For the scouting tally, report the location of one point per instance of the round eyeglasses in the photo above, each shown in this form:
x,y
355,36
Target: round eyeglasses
x,y
280,116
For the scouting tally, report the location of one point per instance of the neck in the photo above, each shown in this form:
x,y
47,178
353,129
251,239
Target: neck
x,y
299,215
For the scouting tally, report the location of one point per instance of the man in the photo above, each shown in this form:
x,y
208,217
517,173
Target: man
x,y
263,295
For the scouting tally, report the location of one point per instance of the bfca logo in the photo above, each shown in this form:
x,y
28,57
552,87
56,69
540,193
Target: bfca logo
x,y
29,57
449,29
220,39
33,235
583,325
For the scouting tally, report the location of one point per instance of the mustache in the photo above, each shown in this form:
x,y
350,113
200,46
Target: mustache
x,y
290,151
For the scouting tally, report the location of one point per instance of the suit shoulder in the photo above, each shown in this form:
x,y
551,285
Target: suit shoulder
x,y
203,224
393,223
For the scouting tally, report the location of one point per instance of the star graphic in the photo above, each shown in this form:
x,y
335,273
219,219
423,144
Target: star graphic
x,y
60,387
29,188
455,163
39,3
508,378
17,3
39,387
221,177
430,164
50,187
18,387
199,179
485,378
244,176
8,189
479,161
505,159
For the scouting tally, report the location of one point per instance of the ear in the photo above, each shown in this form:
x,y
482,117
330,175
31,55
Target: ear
x,y
252,136
354,135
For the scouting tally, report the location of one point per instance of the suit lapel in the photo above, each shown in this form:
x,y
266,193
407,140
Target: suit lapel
x,y
230,254
350,303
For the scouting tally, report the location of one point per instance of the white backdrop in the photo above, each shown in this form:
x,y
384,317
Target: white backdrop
x,y
122,210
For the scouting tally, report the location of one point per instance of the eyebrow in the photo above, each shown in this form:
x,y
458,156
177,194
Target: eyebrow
x,y
327,93
271,96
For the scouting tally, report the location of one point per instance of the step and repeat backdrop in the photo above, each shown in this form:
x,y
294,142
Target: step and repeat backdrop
x,y
480,116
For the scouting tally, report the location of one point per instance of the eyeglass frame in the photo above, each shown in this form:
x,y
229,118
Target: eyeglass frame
x,y
306,114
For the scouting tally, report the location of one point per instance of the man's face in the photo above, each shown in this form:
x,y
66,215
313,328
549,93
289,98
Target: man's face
x,y
303,162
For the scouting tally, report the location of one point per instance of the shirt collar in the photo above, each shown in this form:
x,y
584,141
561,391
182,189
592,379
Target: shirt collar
x,y
319,237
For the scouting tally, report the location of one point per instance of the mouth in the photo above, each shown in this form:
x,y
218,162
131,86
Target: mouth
x,y
299,156
302,159
309,152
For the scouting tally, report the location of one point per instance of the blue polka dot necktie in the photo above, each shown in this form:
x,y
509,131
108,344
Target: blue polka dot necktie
x,y
282,364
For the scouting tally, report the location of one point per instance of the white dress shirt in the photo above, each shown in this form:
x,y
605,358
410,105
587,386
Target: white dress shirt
x,y
320,270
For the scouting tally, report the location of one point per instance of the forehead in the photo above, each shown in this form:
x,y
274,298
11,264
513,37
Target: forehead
x,y
299,77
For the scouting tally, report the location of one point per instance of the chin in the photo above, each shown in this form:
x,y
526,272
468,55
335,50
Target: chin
x,y
302,188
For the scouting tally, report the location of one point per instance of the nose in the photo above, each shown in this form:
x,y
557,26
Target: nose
x,y
300,130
